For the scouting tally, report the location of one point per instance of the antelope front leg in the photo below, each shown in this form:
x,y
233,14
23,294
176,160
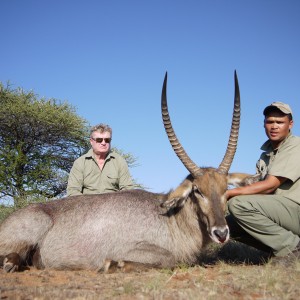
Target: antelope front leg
x,y
12,262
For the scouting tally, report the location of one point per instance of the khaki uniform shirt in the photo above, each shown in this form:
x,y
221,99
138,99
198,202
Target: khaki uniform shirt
x,y
283,162
87,178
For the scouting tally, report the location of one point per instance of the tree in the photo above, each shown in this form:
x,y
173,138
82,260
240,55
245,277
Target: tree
x,y
39,141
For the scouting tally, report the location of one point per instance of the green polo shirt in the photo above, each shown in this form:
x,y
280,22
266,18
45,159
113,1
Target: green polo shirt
x,y
87,178
283,162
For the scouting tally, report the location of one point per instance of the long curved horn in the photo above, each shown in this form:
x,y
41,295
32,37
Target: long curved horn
x,y
234,132
188,163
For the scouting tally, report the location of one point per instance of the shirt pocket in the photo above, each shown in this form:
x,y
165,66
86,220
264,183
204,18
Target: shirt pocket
x,y
113,179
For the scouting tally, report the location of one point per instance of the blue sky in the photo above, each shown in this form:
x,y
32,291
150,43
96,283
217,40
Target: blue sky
x,y
108,60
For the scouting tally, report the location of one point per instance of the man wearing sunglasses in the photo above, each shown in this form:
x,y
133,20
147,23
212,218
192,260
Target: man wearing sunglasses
x,y
100,170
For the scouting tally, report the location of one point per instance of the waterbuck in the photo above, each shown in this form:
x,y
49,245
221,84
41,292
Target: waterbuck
x,y
128,227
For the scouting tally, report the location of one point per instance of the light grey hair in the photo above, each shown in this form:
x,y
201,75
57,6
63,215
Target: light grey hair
x,y
101,128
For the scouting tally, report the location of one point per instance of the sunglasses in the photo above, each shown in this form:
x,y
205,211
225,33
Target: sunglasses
x,y
100,140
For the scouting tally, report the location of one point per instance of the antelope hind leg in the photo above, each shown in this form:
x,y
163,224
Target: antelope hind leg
x,y
142,257
111,266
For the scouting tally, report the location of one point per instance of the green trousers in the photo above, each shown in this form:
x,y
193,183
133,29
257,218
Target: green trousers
x,y
267,222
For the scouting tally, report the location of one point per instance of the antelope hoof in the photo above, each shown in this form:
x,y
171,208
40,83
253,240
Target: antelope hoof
x,y
11,263
109,266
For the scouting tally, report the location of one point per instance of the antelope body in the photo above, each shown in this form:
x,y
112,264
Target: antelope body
x,y
136,226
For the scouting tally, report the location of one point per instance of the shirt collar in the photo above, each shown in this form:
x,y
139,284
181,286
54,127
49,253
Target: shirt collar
x,y
267,146
91,154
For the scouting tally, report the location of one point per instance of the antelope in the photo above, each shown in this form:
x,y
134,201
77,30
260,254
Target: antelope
x,y
133,227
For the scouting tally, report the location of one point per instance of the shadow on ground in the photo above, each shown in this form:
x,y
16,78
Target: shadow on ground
x,y
233,253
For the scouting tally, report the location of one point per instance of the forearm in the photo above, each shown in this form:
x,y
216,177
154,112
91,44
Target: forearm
x,y
125,181
75,183
267,186
73,191
247,190
74,187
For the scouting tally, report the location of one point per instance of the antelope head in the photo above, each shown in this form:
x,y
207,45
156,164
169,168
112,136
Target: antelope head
x,y
205,187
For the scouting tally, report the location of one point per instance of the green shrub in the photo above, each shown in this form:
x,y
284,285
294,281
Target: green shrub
x,y
5,211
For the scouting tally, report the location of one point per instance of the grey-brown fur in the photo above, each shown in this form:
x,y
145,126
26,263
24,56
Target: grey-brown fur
x,y
82,232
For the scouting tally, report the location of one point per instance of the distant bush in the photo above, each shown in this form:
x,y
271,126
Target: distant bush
x,y
5,211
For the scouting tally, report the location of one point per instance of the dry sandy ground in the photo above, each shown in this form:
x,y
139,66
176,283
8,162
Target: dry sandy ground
x,y
220,281
152,284
218,278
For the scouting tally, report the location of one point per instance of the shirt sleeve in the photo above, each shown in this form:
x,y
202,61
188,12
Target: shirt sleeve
x,y
75,181
287,163
125,180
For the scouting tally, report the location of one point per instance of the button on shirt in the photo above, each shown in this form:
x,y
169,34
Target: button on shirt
x,y
283,162
87,178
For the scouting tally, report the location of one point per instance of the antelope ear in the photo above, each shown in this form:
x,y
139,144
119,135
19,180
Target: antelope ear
x,y
178,197
242,179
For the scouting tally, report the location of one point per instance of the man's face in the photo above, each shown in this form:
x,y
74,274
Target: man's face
x,y
100,142
277,127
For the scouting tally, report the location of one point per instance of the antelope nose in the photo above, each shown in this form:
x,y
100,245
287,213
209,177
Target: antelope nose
x,y
221,234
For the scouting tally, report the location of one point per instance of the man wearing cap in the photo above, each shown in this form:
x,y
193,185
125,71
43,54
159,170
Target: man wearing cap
x,y
266,214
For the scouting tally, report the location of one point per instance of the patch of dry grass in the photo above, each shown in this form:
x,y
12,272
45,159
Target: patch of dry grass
x,y
231,272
